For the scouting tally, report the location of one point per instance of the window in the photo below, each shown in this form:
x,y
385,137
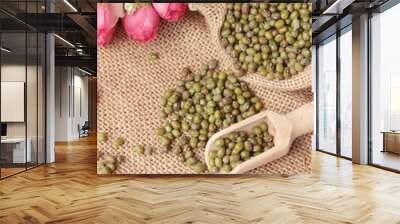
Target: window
x,y
346,92
333,106
385,89
22,101
327,95
394,116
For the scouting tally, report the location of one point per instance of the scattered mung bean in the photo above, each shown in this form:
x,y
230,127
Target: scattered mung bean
x,y
117,142
107,164
154,56
139,149
102,137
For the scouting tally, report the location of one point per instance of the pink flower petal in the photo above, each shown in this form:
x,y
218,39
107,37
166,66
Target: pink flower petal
x,y
142,25
171,11
106,22
117,9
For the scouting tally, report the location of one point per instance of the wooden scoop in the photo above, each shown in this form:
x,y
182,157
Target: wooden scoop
x,y
284,128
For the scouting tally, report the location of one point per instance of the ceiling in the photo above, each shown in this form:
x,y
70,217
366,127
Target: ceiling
x,y
332,15
58,5
15,42
74,22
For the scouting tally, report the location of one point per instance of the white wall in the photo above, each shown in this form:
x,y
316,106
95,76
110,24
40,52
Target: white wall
x,y
16,73
33,127
12,73
61,103
12,101
79,118
67,116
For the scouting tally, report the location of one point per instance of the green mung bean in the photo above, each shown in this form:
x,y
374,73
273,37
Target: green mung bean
x,y
268,35
237,147
201,105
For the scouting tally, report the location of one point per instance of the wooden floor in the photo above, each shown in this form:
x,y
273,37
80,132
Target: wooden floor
x,y
9,171
5,172
69,191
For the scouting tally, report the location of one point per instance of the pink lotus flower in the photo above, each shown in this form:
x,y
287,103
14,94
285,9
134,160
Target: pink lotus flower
x,y
143,24
170,11
107,17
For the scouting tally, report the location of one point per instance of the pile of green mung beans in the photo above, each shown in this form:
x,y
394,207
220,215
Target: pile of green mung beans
x,y
238,147
272,39
201,105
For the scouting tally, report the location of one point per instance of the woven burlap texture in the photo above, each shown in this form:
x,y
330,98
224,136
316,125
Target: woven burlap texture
x,y
130,87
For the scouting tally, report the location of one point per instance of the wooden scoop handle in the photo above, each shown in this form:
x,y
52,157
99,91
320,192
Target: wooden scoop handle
x,y
301,120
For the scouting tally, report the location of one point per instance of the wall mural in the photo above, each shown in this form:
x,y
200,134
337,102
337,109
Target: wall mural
x,y
204,88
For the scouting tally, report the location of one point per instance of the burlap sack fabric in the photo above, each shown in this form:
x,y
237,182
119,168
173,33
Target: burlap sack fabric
x,y
130,86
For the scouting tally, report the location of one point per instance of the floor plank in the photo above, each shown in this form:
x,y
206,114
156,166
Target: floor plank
x,y
69,191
